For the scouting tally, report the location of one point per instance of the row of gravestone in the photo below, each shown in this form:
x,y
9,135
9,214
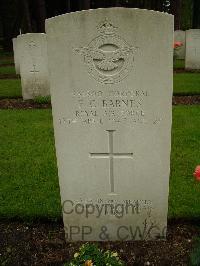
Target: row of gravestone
x,y
30,54
190,49
110,74
30,57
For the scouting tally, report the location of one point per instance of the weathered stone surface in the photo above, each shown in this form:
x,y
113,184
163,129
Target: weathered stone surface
x,y
33,65
111,89
192,60
179,36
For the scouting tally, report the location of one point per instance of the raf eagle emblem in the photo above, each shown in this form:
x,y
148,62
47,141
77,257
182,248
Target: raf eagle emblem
x,y
108,57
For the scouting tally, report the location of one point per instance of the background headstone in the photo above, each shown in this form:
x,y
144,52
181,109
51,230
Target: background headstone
x,y
16,56
179,36
192,60
33,65
111,89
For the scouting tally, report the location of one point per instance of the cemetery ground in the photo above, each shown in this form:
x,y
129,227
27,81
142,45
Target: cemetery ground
x,y
31,229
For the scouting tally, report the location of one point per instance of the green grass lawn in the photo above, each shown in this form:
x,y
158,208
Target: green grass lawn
x,y
184,191
7,70
10,88
179,63
29,183
186,83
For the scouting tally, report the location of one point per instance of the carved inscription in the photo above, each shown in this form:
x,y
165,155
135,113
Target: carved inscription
x,y
108,57
32,44
100,107
34,70
35,87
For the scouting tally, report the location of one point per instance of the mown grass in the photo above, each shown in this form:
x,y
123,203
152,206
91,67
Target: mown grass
x,y
186,83
7,70
42,99
179,63
29,183
10,88
184,200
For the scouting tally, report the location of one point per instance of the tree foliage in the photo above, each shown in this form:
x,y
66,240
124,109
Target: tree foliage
x,y
29,15
186,14
196,14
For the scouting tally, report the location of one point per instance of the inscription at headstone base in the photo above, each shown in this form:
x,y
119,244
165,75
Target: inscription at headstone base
x,y
33,65
111,91
192,60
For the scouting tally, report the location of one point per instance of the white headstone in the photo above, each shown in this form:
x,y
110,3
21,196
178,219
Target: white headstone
x,y
16,56
111,88
192,60
179,36
33,65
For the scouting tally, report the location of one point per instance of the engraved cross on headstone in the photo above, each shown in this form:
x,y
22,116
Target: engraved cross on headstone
x,y
111,155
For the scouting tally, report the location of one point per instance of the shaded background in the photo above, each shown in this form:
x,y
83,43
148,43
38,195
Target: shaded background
x,y
29,15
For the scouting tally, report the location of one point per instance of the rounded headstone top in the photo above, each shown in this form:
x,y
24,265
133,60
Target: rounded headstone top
x,y
122,10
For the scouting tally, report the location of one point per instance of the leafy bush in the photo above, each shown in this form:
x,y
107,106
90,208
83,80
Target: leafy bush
x,y
42,99
91,255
